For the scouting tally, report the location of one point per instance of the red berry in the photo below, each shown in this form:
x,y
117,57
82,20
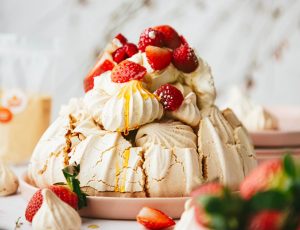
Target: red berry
x,y
98,69
126,71
261,178
36,201
183,40
119,54
170,97
131,49
121,38
185,59
150,37
158,58
154,219
171,37
266,220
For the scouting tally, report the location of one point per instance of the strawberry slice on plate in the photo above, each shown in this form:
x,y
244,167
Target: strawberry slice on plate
x,y
150,37
99,68
185,59
171,37
158,58
154,219
126,71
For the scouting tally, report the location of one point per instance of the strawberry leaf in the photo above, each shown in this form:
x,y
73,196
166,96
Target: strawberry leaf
x,y
289,166
71,172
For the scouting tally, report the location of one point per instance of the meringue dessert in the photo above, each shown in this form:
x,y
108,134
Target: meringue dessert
x,y
147,125
9,182
55,214
255,117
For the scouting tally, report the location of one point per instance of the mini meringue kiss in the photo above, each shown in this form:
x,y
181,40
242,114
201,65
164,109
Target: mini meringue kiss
x,y
8,181
55,214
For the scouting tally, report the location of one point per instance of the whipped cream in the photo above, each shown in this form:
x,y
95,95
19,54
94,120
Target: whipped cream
x,y
130,108
155,78
109,164
255,117
104,83
222,157
168,135
172,172
202,82
55,214
8,180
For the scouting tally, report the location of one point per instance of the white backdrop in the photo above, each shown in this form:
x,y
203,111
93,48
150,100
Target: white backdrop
x,y
243,40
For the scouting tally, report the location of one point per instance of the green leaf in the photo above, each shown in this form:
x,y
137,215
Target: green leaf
x,y
272,200
71,172
289,166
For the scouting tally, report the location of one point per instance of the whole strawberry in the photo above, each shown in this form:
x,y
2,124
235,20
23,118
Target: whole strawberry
x,y
62,192
185,59
170,97
150,37
154,219
170,35
266,220
266,176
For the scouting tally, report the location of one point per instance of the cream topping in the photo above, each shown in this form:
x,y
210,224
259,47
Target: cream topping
x,y
8,180
55,214
130,108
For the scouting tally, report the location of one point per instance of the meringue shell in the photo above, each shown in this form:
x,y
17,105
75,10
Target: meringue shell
x,y
8,180
55,214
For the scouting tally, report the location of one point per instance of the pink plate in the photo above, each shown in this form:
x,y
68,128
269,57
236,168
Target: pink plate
x,y
116,207
288,134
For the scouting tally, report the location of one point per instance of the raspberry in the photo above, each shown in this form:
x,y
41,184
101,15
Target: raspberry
x,y
170,97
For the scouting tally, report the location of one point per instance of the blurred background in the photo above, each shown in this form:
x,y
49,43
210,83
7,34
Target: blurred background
x,y
49,46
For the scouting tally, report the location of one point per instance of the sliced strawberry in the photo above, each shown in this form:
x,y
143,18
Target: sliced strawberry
x,y
126,71
171,37
185,59
158,58
154,219
36,201
266,220
5,115
131,49
150,37
267,175
119,55
98,69
170,97
121,38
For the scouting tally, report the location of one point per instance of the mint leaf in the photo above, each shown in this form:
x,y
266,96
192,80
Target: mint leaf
x,y
289,166
71,172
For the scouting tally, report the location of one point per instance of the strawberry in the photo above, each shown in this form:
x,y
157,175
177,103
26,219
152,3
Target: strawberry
x,y
121,38
185,59
126,71
154,219
150,37
5,115
131,49
267,175
62,192
169,96
119,54
99,68
158,58
171,37
266,220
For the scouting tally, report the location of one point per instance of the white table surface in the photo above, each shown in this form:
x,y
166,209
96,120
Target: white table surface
x,y
13,207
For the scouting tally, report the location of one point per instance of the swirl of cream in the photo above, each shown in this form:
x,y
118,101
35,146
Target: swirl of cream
x,y
104,83
168,135
188,112
202,82
8,181
155,78
95,101
130,108
55,214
